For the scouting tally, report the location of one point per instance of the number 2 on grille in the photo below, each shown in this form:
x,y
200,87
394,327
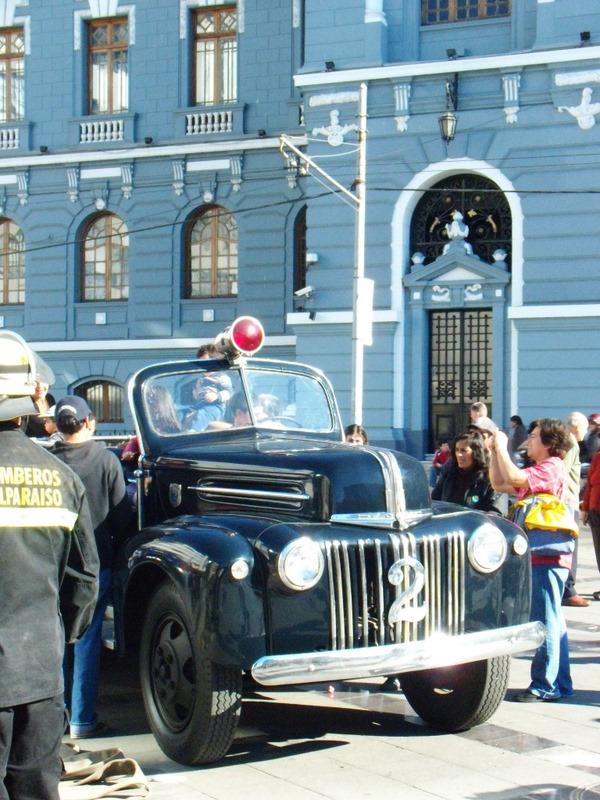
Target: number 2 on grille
x,y
400,610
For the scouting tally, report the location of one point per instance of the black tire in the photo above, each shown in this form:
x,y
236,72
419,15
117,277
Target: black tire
x,y
192,704
459,697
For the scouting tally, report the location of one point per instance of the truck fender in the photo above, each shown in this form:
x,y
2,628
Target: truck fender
x,y
225,613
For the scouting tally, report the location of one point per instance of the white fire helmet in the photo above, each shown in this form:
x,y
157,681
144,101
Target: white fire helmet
x,y
20,369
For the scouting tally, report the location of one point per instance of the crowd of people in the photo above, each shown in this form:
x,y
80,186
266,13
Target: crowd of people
x,y
529,474
84,514
90,514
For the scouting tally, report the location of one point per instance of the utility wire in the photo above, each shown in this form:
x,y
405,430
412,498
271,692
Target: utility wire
x,y
49,245
173,224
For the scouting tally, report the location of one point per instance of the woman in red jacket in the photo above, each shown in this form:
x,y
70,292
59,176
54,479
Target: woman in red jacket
x,y
590,508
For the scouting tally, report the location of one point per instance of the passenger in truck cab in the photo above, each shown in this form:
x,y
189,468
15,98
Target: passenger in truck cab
x,y
208,396
162,410
238,415
209,387
266,407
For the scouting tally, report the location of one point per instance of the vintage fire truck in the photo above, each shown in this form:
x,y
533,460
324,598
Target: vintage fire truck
x,y
269,550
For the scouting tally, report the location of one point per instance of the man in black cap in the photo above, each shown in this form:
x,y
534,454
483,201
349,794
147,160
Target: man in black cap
x,y
48,560
102,476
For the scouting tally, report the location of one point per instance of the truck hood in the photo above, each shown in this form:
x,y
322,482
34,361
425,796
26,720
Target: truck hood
x,y
340,479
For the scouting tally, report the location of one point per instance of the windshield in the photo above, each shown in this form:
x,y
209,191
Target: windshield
x,y
202,402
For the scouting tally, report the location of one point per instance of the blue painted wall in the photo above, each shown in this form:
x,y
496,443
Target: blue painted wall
x,y
547,163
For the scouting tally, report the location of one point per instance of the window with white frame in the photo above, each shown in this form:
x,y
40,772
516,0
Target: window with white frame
x,y
12,74
212,254
215,55
12,263
108,69
437,11
104,257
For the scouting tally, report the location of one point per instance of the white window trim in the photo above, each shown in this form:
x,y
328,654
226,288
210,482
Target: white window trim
x,y
82,16
296,20
25,23
374,12
9,20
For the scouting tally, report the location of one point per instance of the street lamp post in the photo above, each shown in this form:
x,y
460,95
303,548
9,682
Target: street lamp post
x,y
358,288
361,288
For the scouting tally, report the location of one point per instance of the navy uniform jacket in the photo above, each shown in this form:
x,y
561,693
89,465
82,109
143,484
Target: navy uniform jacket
x,y
48,565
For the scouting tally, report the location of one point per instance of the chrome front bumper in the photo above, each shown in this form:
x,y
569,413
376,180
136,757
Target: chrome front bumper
x,y
371,662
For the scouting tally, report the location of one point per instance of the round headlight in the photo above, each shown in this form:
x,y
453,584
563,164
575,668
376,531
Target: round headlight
x,y
520,545
301,564
487,548
239,569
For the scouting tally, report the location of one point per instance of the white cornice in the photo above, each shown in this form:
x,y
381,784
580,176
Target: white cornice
x,y
121,345
555,312
337,317
420,68
129,153
390,315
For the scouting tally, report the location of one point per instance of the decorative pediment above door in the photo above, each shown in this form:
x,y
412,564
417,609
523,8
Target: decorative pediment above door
x,y
457,278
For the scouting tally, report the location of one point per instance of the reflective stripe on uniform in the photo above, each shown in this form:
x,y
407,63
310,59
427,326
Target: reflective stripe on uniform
x,y
37,518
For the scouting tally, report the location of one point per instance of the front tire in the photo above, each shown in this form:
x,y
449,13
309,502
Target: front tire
x,y
459,697
192,704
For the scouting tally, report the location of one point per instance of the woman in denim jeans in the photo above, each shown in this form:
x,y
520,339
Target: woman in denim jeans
x,y
547,443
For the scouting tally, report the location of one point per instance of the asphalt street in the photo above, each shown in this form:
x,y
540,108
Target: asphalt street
x,y
353,741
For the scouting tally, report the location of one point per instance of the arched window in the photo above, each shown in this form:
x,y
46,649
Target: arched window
x,y
300,250
212,254
12,263
105,398
105,245
483,206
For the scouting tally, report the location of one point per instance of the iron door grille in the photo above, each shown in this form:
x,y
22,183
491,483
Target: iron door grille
x,y
461,364
460,368
360,594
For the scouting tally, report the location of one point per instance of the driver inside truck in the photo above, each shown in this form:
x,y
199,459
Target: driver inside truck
x,y
237,412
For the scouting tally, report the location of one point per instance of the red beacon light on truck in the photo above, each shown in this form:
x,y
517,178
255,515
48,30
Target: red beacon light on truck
x,y
244,337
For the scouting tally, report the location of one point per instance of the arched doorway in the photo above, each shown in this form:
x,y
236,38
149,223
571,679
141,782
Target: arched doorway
x,y
460,245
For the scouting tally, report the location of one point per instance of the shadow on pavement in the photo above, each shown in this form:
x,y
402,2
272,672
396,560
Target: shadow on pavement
x,y
544,791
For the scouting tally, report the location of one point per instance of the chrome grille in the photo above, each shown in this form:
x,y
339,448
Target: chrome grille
x,y
360,594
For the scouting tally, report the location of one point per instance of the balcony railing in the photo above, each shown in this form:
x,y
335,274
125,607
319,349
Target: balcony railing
x,y
101,130
208,122
9,138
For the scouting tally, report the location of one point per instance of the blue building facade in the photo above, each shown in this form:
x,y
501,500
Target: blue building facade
x,y
482,245
144,201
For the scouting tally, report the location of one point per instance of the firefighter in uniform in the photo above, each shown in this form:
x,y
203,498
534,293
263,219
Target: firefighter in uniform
x,y
48,579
